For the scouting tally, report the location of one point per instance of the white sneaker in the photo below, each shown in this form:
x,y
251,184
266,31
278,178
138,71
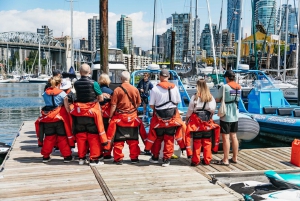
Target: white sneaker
x,y
95,163
82,161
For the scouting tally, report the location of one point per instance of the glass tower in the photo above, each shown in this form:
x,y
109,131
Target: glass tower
x,y
233,17
93,34
124,33
265,14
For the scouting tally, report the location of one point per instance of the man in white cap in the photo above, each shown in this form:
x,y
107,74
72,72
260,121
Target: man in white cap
x,y
166,124
66,85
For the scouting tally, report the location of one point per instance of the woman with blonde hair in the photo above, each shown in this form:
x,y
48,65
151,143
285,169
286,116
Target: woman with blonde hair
x,y
53,126
104,82
200,126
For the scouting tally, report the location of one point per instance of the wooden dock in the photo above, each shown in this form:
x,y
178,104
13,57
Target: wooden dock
x,y
25,177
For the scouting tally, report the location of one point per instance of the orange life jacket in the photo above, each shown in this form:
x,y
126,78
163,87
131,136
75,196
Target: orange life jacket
x,y
234,85
91,109
195,124
124,120
55,115
157,122
105,110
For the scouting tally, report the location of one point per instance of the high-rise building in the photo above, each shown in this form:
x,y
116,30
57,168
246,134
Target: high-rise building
x,y
93,33
45,31
205,41
255,1
124,33
265,14
292,22
233,16
166,39
184,27
83,44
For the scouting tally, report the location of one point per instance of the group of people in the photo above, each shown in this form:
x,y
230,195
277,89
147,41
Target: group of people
x,y
100,120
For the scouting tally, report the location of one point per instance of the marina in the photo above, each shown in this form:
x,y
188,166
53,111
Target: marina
x,y
143,181
79,160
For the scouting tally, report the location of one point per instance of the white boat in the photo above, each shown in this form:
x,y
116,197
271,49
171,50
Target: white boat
x,y
115,65
13,78
4,148
40,79
2,80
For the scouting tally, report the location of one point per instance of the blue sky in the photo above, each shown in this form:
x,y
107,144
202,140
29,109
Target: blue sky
x,y
32,14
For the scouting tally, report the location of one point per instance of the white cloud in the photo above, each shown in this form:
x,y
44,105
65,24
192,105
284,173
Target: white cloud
x,y
60,22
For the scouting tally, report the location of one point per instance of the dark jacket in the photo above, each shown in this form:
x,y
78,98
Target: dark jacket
x,y
146,86
85,90
106,89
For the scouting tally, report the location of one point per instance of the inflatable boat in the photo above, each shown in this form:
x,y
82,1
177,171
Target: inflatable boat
x,y
266,104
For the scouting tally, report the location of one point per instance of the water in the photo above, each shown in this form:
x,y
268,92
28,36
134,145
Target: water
x,y
18,102
22,102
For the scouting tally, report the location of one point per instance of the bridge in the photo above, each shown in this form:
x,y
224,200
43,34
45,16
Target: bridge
x,y
58,50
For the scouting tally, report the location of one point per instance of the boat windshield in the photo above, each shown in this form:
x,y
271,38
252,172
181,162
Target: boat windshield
x,y
114,56
263,84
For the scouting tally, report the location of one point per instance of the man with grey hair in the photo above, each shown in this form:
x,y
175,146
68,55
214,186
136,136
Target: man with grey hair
x,y
87,119
125,126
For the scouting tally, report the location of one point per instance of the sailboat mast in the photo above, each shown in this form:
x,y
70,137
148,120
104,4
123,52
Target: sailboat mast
x,y
279,40
72,48
286,37
153,31
195,37
240,37
212,40
220,40
40,68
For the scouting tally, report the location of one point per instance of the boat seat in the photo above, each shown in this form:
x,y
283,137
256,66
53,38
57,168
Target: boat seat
x,y
286,111
269,110
296,113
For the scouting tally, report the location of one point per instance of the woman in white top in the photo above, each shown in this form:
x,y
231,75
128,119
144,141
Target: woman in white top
x,y
203,95
200,126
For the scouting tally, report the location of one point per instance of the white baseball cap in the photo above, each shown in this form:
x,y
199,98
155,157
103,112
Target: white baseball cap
x,y
65,84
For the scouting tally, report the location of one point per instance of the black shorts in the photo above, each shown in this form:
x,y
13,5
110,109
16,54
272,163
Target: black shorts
x,y
228,127
145,100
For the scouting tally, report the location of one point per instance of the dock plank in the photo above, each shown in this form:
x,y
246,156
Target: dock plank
x,y
26,177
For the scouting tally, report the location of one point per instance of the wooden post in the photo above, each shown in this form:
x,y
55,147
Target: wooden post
x,y
103,15
172,51
131,61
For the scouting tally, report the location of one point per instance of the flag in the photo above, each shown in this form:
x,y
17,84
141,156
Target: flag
x,y
169,20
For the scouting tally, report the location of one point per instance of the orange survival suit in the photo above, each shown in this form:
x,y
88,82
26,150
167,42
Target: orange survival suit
x,y
166,125
88,127
202,131
54,127
125,125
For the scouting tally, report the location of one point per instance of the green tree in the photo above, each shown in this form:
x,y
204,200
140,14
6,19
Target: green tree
x,y
125,51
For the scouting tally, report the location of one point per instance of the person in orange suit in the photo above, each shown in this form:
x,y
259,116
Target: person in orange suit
x,y
200,126
87,119
104,82
53,126
166,124
125,125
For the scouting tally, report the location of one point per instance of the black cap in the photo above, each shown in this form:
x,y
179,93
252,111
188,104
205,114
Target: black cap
x,y
164,73
56,72
230,74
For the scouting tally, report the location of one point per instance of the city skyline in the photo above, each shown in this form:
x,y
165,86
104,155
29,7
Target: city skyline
x,y
24,15
56,15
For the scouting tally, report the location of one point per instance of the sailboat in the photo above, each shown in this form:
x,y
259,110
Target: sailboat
x,y
41,78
